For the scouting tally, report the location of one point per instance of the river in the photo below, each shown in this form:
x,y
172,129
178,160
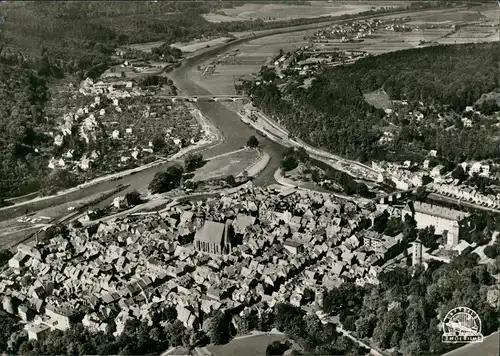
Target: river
x,y
235,132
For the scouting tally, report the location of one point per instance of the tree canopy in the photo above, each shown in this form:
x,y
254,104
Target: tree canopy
x,y
252,141
404,310
193,161
165,181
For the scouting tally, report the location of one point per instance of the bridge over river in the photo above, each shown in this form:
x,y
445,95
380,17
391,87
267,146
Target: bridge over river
x,y
205,98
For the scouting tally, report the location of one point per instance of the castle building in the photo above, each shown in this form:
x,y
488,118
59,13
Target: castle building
x,y
447,222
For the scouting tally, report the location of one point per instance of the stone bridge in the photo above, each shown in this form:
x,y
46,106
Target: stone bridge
x,y
206,98
392,197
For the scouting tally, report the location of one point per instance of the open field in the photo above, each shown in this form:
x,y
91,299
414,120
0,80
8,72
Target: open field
x,y
249,59
61,210
231,164
37,205
255,53
52,207
221,82
276,12
130,73
473,33
12,239
449,18
280,12
178,351
146,47
388,41
379,99
217,18
248,346
491,14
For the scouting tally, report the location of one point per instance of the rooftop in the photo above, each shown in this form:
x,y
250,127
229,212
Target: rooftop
x,y
211,231
439,211
293,243
242,221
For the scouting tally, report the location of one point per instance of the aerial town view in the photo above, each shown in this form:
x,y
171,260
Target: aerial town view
x,y
252,177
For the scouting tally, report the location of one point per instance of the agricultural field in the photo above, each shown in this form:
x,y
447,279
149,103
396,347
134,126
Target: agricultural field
x,y
253,54
388,41
451,18
277,12
491,14
473,34
231,164
248,60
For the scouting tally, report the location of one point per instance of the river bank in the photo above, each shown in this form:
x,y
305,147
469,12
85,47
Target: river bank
x,y
227,122
278,176
259,165
212,138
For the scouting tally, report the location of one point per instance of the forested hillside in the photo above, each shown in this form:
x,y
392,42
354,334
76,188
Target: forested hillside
x,y
42,42
80,35
332,113
24,95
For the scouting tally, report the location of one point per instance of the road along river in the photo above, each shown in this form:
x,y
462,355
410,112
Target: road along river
x,y
236,133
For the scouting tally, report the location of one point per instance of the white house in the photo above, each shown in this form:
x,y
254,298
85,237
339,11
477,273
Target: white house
x,y
58,140
84,164
436,171
485,170
475,169
467,122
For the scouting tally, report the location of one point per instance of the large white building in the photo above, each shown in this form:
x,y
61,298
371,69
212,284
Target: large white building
x,y
446,222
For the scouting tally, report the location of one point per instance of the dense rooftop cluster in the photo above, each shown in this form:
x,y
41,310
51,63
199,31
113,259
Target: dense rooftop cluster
x,y
273,245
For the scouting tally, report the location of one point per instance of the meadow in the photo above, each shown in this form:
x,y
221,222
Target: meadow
x,y
277,12
231,164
